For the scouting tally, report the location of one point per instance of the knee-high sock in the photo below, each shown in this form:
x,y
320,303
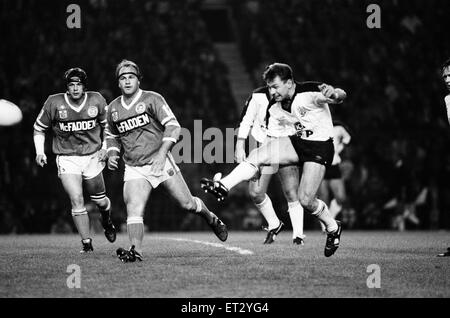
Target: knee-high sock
x,y
135,229
243,172
203,211
266,209
296,215
325,217
81,220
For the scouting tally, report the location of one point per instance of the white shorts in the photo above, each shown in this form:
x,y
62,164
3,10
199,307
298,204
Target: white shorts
x,y
86,166
143,172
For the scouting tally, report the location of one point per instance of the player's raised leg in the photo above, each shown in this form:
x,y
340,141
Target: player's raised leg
x,y
96,188
275,152
72,184
179,190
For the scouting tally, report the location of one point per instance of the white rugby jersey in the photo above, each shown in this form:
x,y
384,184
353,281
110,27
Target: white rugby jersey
x,y
314,117
253,117
447,105
262,116
340,139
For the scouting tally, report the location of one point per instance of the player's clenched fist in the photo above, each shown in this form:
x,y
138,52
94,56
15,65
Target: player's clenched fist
x,y
328,91
113,162
41,160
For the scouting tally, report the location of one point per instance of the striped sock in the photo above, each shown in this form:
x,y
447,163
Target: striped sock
x,y
325,217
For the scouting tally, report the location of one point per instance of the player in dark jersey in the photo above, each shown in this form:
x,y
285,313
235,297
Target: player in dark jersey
x,y
143,125
77,119
332,189
311,146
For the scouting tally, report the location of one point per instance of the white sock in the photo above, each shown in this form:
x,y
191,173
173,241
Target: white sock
x,y
296,214
266,209
335,208
243,172
135,229
325,217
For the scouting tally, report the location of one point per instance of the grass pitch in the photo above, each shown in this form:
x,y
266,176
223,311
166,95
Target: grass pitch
x,y
198,265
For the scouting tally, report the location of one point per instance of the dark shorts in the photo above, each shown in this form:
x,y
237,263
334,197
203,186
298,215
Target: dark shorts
x,y
321,152
333,172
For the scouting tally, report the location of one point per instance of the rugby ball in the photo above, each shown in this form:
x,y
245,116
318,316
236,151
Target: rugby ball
x,y
10,114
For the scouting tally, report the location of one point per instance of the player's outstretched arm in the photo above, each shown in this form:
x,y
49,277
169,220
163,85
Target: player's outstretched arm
x,y
332,95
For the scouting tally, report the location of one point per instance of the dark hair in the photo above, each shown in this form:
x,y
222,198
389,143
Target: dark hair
x,y
445,65
282,70
76,74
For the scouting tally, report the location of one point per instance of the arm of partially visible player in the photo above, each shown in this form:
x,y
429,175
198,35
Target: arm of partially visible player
x,y
248,117
447,105
113,144
103,107
41,125
346,137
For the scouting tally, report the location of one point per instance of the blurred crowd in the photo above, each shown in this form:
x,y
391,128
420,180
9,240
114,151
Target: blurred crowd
x,y
395,169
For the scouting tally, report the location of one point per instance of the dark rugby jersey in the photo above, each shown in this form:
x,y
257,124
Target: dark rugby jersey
x,y
139,127
77,129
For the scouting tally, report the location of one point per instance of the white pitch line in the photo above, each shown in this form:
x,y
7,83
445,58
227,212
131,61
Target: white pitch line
x,y
229,248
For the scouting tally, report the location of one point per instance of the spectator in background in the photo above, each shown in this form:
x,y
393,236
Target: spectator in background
x,y
333,181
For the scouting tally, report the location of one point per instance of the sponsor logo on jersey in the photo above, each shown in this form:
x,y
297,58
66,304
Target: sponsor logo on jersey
x,y
299,129
133,123
92,111
77,125
62,113
140,108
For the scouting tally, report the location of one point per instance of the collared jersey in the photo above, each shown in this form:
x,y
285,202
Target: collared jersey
x,y
309,117
139,127
77,129
262,116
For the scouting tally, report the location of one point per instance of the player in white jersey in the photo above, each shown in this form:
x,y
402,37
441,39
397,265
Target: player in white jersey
x,y
446,78
77,119
143,125
256,120
333,177
311,146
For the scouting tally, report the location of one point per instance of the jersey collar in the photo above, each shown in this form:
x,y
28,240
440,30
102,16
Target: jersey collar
x,y
75,108
135,99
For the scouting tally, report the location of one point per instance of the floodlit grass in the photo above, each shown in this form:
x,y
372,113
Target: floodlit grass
x,y
182,265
